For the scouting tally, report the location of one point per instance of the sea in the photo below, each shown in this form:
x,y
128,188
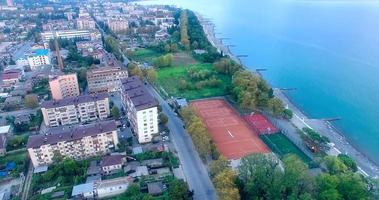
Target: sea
x,y
327,49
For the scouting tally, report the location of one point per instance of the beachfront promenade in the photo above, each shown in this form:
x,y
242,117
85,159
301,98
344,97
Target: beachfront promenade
x,y
299,120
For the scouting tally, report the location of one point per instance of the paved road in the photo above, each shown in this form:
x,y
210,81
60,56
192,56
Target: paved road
x,y
194,170
366,166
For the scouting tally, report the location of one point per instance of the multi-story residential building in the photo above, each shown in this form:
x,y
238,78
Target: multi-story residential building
x,y
85,23
78,142
10,77
118,24
141,107
105,79
38,57
73,110
63,86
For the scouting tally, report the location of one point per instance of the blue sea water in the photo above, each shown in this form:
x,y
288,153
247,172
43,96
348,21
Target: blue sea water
x,y
328,50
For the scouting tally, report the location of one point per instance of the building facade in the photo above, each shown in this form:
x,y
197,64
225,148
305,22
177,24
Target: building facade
x,y
85,23
79,142
141,107
118,24
71,34
63,86
38,58
73,110
105,79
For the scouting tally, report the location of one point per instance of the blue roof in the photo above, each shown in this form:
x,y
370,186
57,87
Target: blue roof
x,y
82,188
41,52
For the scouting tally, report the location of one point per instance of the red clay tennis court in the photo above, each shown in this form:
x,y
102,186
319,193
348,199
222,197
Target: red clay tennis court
x,y
260,124
232,136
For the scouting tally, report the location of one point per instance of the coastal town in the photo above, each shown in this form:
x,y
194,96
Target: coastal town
x,y
122,100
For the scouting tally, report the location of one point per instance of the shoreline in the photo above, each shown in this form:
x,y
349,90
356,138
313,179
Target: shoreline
x,y
366,166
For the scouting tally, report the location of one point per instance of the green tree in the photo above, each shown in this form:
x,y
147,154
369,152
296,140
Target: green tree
x,y
163,118
348,161
167,48
115,112
31,101
224,183
275,106
335,165
151,74
219,165
287,114
135,70
178,190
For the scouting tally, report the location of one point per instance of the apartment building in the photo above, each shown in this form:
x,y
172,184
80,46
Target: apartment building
x,y
63,86
141,107
105,79
85,23
38,57
73,110
118,24
78,142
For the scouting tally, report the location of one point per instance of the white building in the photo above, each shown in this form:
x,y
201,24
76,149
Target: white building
x,y
112,163
38,57
71,34
73,110
141,107
105,79
79,142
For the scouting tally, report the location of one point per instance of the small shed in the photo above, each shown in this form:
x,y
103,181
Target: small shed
x,y
155,188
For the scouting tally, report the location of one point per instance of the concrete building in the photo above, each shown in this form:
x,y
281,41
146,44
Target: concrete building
x,y
63,86
85,23
118,24
112,163
73,110
78,142
105,79
141,107
101,188
10,77
38,57
71,34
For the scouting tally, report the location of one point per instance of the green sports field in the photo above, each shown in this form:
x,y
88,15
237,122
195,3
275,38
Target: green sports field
x,y
282,146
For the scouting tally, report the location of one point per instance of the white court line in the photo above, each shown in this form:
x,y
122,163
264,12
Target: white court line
x,y
231,135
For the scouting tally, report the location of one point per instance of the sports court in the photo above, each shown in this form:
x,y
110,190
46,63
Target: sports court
x,y
260,124
232,136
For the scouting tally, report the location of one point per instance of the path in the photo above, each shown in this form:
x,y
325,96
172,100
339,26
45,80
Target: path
x,y
194,169
366,166
27,183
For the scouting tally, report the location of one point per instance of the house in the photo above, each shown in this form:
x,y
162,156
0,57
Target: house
x,y
111,187
112,163
22,119
85,190
155,188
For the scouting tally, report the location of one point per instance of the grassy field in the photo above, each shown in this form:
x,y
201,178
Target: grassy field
x,y
19,157
281,145
169,77
144,55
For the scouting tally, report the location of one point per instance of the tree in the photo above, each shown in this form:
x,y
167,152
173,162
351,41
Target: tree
x,y
167,48
163,118
135,70
31,101
115,112
219,165
163,61
275,106
178,189
334,165
174,48
224,183
348,161
151,74
287,114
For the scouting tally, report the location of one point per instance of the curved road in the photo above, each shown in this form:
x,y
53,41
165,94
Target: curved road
x,y
194,169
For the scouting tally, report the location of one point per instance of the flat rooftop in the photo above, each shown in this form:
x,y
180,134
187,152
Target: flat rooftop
x,y
73,100
71,133
134,88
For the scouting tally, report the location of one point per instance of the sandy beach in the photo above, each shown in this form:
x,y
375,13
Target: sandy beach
x,y
341,144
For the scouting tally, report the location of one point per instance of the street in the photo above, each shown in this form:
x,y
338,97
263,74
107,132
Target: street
x,y
194,169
